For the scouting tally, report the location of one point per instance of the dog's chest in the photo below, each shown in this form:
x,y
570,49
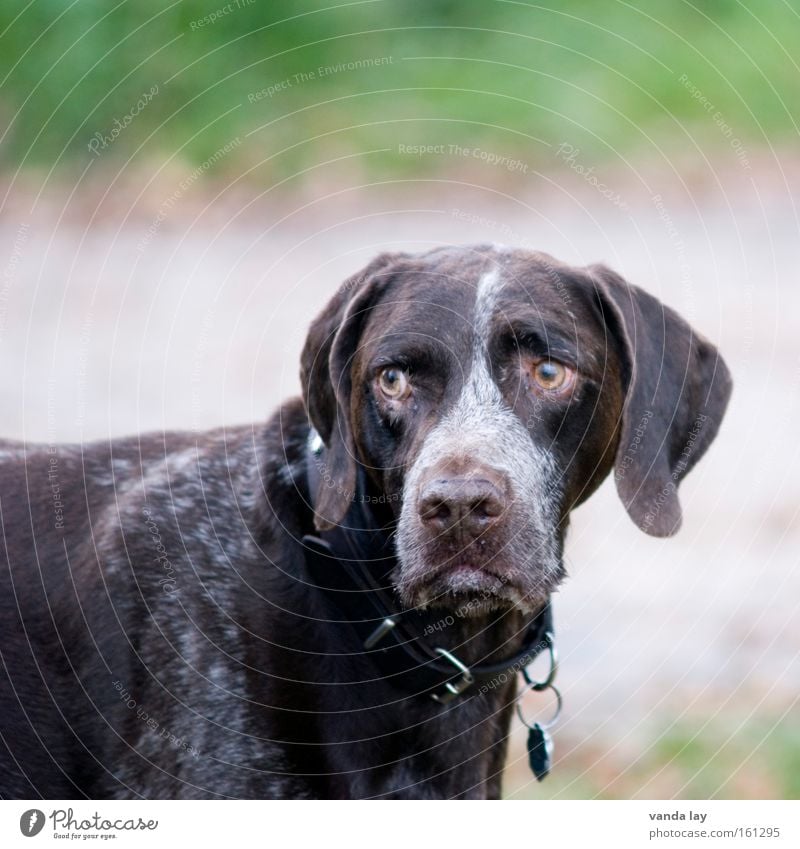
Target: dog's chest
x,y
424,751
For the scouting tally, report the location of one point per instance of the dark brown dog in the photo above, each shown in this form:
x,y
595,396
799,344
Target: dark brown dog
x,y
161,632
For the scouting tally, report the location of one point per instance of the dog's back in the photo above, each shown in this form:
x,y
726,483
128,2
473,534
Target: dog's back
x,y
118,562
47,496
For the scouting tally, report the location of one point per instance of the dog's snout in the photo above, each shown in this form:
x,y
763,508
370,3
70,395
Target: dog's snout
x,y
470,504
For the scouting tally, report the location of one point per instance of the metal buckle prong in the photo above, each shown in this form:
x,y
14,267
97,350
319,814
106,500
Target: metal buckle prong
x,y
380,632
451,690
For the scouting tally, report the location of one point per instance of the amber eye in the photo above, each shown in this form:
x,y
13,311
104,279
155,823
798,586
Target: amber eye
x,y
394,383
551,376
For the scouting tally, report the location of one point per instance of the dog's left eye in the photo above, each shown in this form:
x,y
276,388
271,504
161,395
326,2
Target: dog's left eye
x,y
394,383
552,376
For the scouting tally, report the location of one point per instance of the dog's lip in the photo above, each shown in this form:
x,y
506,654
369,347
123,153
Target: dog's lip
x,y
468,570
476,575
467,567
445,583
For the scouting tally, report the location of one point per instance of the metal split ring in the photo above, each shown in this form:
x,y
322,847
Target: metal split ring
x,y
535,688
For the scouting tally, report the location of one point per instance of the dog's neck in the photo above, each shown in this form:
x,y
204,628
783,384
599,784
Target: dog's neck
x,y
477,637
411,725
362,546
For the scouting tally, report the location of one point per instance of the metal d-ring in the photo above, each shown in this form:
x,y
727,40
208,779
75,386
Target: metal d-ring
x,y
536,689
550,640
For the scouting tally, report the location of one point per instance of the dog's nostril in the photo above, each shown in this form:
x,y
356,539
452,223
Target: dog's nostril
x,y
486,507
472,505
435,510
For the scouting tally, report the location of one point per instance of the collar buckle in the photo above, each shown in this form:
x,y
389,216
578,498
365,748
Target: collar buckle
x,y
453,688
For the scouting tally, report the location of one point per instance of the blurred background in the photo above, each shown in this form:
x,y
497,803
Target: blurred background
x,y
185,183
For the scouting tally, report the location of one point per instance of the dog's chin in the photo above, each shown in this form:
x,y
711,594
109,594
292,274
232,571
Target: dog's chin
x,y
466,591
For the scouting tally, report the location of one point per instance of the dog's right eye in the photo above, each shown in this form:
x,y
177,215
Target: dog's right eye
x,y
394,383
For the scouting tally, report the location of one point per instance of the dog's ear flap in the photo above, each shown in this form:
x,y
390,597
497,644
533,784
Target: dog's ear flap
x,y
677,388
325,366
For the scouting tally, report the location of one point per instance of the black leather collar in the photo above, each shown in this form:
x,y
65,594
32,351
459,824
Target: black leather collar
x,y
352,565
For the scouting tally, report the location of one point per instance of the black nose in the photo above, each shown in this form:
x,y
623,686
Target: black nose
x,y
471,505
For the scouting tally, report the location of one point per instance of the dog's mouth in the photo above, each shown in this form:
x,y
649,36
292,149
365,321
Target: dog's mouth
x,y
466,585
466,576
518,566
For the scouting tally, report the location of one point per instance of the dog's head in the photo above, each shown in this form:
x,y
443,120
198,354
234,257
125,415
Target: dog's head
x,y
486,392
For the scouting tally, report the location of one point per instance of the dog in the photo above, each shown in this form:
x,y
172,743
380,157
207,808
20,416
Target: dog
x,y
194,615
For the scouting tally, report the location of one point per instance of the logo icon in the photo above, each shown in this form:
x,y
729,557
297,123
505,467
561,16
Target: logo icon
x,y
31,822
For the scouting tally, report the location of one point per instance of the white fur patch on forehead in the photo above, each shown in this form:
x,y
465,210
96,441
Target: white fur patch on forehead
x,y
479,387
489,287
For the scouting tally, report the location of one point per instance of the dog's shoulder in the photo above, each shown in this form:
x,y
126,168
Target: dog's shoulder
x,y
149,514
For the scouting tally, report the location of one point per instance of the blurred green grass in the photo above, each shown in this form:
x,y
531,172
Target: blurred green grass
x,y
694,758
516,78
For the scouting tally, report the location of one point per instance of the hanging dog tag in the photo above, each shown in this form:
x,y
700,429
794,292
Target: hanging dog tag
x,y
540,743
540,750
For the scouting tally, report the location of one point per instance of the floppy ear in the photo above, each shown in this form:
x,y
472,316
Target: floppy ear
x,y
325,366
677,389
